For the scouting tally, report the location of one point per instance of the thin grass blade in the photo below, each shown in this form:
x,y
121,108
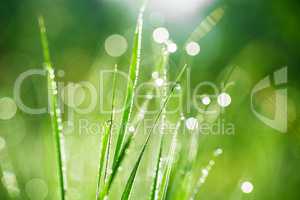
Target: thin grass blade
x,y
106,142
163,187
133,75
131,179
155,179
207,24
55,112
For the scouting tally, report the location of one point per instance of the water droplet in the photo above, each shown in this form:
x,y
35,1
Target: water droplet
x,y
159,82
204,172
218,152
131,129
211,163
206,100
178,87
224,99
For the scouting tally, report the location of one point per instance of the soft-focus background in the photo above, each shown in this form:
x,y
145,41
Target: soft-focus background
x,y
255,38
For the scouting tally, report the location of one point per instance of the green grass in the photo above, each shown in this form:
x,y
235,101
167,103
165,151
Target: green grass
x,y
160,184
55,112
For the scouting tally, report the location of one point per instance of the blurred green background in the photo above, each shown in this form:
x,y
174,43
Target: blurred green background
x,y
255,37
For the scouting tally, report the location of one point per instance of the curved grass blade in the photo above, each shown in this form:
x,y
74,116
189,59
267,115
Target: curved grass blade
x,y
155,179
131,179
207,24
161,67
163,185
106,142
55,113
133,75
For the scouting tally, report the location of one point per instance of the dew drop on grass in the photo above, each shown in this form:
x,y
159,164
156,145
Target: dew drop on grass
x,y
159,82
178,87
211,163
218,152
204,172
131,129
206,100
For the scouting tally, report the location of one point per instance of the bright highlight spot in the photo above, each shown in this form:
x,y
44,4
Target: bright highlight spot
x,y
224,99
131,129
218,152
206,100
205,172
171,47
247,187
192,48
161,35
115,45
36,189
8,108
159,82
191,123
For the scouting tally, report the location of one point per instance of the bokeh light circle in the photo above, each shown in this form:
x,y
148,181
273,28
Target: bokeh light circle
x,y
224,99
160,35
192,48
8,108
116,45
247,187
206,100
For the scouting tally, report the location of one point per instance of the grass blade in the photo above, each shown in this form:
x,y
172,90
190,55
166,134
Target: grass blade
x,y
207,24
133,74
131,179
55,112
106,142
163,185
121,146
155,179
161,67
